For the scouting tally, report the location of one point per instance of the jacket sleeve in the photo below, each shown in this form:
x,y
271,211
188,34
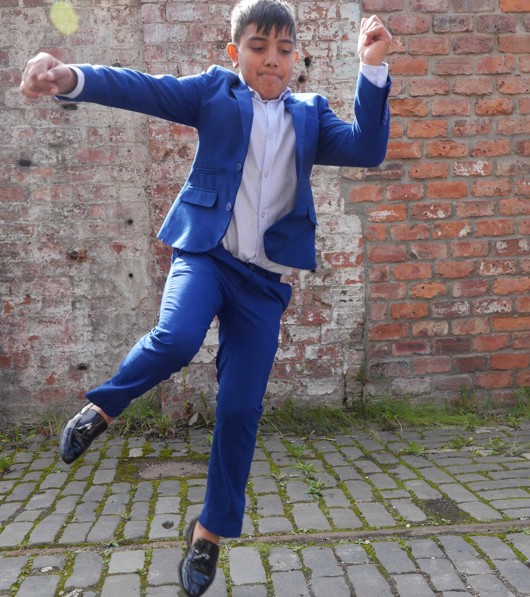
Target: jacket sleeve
x,y
164,96
363,143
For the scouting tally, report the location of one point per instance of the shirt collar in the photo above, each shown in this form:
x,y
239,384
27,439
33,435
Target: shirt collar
x,y
256,95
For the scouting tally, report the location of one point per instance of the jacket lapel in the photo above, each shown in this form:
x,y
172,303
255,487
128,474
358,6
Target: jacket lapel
x,y
298,114
242,94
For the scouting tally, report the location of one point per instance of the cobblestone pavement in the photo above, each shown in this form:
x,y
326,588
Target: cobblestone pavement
x,y
371,513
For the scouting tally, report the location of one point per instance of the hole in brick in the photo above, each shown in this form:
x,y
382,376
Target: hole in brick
x,y
131,275
82,367
308,60
24,163
130,221
302,79
69,106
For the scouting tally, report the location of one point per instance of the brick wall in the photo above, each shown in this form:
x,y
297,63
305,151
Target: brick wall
x,y
446,219
423,263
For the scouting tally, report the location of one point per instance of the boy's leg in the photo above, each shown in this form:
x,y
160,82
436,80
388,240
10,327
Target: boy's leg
x,y
248,341
191,298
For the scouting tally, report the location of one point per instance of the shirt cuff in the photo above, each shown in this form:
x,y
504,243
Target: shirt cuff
x,y
377,75
80,84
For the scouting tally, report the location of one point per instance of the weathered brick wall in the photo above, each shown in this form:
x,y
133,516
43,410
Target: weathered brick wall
x,y
424,267
446,219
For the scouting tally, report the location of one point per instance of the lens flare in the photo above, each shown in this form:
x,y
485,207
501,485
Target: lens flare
x,y
64,18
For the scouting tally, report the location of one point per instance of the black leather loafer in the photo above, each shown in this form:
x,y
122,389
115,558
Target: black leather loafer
x,y
197,569
79,433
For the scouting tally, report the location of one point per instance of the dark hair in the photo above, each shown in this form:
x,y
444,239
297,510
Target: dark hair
x,y
265,14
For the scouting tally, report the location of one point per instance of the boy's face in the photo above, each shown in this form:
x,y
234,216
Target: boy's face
x,y
265,61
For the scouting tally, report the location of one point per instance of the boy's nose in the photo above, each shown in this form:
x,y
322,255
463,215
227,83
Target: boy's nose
x,y
271,59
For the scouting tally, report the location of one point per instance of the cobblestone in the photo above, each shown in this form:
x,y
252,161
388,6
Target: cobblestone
x,y
372,528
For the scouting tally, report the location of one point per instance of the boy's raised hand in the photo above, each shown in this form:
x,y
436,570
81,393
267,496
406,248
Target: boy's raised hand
x,y
374,41
45,75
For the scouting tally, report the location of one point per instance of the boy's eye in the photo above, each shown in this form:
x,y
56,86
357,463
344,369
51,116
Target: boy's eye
x,y
257,48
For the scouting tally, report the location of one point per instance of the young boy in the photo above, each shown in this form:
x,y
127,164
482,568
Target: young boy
x,y
244,217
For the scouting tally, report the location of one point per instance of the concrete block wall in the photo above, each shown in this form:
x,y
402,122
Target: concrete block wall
x,y
423,277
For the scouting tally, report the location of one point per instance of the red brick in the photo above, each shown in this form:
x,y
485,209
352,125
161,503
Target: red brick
x,y
430,211
408,24
471,363
412,271
494,379
388,331
403,150
378,273
522,148
397,130
475,209
455,269
447,190
389,213
423,86
452,24
491,65
499,227
453,65
513,126
514,44
514,5
473,168
373,6
491,148
452,345
471,248
376,232
378,311
490,343
466,288
427,45
496,267
513,285
491,188
426,129
406,65
409,347
446,149
522,187
514,85
408,107
429,170
473,44
472,128
510,361
470,326
473,86
429,5
404,192
512,247
494,107
523,226
341,259
438,364
386,253
451,230
521,340
450,107
512,207
361,193
412,310
409,232
430,329
450,309
427,290
522,304
511,323
428,250
496,24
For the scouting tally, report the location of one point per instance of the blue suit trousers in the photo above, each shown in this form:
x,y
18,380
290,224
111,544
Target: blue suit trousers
x,y
248,302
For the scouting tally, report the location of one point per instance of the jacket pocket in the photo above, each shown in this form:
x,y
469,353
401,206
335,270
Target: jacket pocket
x,y
202,197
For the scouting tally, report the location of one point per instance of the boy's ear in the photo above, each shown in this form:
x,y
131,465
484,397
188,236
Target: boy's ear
x,y
233,52
296,55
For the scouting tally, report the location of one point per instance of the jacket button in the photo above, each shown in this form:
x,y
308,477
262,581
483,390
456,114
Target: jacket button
x,y
228,207
239,166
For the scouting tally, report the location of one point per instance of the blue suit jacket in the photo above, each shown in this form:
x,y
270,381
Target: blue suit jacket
x,y
218,104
